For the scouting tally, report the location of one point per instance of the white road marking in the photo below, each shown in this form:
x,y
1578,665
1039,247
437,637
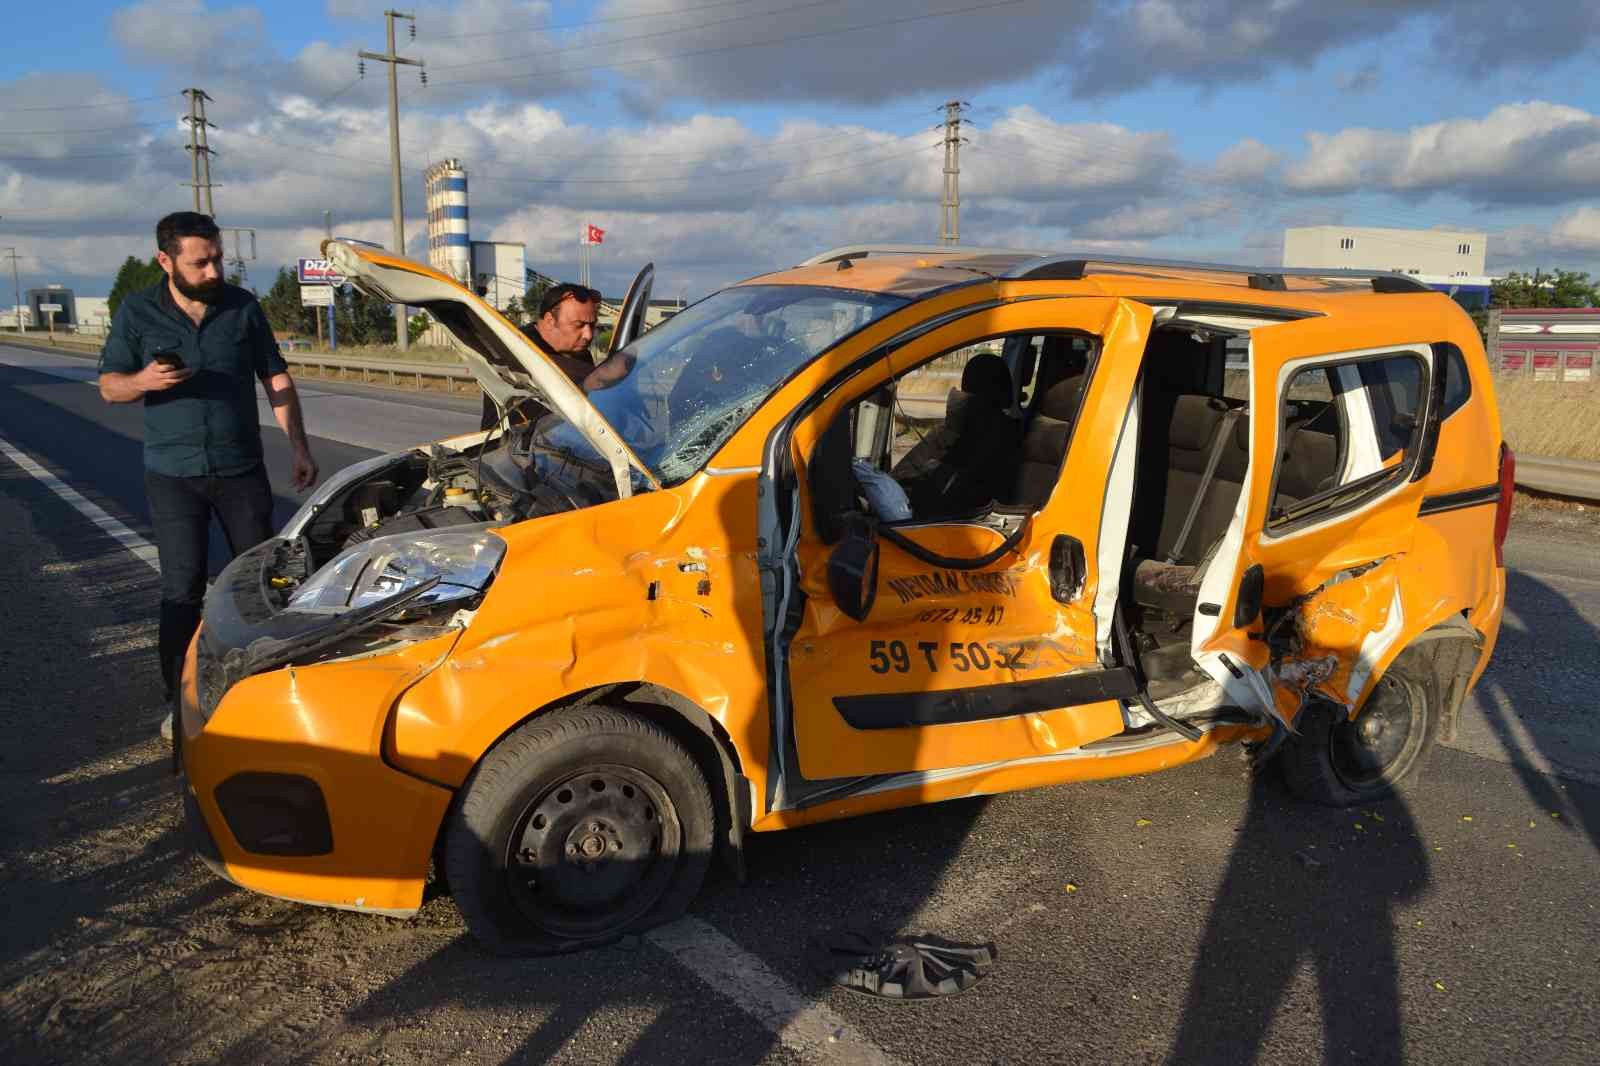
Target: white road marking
x,y
142,549
813,1030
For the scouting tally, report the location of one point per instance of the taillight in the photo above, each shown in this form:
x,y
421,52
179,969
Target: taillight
x,y
1502,511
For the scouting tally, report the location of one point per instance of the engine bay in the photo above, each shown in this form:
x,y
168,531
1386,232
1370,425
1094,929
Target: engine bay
x,y
510,477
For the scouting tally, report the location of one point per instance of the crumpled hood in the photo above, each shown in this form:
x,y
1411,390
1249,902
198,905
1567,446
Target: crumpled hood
x,y
505,363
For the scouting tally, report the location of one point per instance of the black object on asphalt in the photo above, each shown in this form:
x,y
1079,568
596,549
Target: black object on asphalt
x,y
900,968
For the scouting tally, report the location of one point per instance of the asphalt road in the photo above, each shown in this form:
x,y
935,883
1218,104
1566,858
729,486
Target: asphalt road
x,y
1209,918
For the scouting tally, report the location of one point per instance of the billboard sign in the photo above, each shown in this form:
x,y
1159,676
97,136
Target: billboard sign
x,y
318,272
316,296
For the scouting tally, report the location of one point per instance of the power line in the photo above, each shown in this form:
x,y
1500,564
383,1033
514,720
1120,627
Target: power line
x,y
643,36
73,132
56,158
580,179
595,22
736,47
89,107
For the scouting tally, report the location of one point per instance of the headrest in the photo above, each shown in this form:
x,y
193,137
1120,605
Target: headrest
x,y
1194,422
986,375
1060,400
833,483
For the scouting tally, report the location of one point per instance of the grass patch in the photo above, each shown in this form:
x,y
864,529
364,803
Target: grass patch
x,y
1554,418
388,353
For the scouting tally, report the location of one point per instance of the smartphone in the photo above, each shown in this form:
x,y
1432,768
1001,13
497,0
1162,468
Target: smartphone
x,y
172,359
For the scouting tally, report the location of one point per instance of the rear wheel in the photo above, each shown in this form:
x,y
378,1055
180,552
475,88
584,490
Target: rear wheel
x,y
1340,762
579,827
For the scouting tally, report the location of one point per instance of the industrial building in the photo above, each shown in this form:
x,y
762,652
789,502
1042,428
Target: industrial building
x,y
1545,343
495,270
449,253
500,271
36,300
1448,260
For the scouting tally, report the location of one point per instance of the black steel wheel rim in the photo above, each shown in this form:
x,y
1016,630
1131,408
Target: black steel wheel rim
x,y
593,851
1369,752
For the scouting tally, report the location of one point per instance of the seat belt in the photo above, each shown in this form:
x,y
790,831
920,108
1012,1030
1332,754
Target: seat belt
x,y
1228,421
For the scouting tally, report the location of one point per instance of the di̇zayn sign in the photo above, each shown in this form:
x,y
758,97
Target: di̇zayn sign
x,y
318,272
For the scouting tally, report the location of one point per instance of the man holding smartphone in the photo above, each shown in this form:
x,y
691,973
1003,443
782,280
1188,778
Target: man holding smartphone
x,y
192,349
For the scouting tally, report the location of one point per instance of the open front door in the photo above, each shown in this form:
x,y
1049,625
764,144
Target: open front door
x,y
630,319
980,643
1337,432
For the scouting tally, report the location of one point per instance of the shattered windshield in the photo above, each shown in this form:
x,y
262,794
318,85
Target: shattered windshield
x,y
680,391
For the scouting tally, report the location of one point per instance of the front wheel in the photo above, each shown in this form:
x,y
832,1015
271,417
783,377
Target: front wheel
x,y
1341,762
577,828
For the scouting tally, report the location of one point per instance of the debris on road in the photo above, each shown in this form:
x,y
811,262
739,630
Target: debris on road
x,y
900,968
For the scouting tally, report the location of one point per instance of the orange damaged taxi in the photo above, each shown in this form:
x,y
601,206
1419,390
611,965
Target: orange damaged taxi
x,y
895,526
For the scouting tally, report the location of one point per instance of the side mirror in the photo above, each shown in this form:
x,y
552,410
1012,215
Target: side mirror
x,y
853,572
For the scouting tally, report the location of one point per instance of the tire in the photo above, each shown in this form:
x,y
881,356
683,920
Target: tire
x,y
1337,762
579,827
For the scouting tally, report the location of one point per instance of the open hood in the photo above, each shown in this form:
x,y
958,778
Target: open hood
x,y
505,362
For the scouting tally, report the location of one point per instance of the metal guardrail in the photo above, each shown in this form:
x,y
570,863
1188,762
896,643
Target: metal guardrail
x,y
391,371
1577,478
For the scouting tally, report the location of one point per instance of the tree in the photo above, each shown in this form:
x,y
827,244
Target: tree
x,y
515,311
416,326
1558,288
133,275
282,305
364,320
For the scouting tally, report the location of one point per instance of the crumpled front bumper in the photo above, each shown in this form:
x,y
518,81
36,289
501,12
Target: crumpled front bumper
x,y
287,787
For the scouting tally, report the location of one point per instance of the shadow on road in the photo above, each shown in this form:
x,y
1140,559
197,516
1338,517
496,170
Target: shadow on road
x,y
1340,924
1533,746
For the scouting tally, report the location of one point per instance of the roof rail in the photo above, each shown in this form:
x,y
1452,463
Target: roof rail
x,y
862,251
1267,279
1046,266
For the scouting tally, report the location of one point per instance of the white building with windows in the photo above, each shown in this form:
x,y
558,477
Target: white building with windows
x,y
1448,260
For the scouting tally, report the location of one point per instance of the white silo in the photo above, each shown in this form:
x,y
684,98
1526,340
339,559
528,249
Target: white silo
x,y
449,247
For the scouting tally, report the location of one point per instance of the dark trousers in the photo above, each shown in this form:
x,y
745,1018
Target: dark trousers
x,y
180,511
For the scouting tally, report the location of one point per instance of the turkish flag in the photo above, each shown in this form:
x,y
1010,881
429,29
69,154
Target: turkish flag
x,y
594,235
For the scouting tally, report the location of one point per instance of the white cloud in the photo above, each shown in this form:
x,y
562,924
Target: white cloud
x,y
1527,152
1245,162
176,32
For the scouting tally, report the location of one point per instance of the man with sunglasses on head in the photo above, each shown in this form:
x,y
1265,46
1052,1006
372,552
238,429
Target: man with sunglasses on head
x,y
568,316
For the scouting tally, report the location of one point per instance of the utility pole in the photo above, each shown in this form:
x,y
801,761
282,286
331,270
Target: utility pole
x,y
333,306
11,253
200,152
396,193
950,224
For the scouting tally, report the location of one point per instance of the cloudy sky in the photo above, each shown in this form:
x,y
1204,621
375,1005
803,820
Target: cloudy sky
x,y
721,138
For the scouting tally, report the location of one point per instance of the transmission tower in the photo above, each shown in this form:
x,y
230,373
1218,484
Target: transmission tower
x,y
200,152
950,225
238,260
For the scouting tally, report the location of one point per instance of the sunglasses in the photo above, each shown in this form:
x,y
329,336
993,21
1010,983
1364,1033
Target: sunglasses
x,y
552,299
